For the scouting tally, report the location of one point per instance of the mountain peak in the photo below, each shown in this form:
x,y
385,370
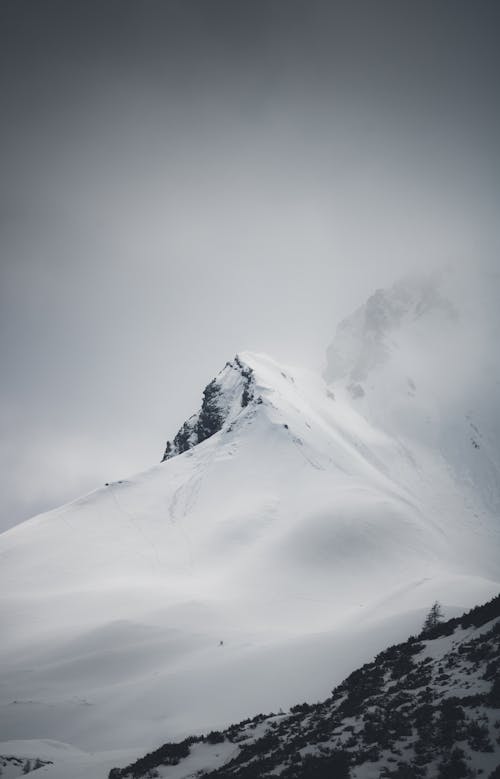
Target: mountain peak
x,y
365,340
224,398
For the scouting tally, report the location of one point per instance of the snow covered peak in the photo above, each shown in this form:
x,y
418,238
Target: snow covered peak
x,y
419,362
366,339
223,400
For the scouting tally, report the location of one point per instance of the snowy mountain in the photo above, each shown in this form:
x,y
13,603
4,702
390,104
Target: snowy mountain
x,y
417,361
293,523
428,707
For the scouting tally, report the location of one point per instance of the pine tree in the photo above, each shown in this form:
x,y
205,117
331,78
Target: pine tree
x,y
433,618
27,767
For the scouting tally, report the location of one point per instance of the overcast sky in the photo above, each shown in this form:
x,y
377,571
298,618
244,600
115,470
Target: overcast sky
x,y
183,180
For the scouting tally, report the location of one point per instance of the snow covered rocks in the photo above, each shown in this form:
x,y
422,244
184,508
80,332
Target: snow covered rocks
x,y
223,398
428,708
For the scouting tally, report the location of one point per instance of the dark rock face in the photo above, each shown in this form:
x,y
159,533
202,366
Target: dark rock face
x,y
247,395
182,439
424,709
214,408
211,416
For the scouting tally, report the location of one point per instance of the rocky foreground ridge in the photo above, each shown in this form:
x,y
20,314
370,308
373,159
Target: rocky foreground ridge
x,y
429,707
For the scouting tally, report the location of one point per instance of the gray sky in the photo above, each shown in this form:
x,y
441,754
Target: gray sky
x,y
183,180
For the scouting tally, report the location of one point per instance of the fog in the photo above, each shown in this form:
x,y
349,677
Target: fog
x,y
184,180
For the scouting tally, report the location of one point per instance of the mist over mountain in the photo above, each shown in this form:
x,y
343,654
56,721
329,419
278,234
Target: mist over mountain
x,y
418,360
249,408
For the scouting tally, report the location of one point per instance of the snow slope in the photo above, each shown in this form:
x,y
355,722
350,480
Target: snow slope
x,y
289,520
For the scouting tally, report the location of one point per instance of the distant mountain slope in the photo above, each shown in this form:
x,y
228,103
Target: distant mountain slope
x,y
429,707
418,361
289,523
